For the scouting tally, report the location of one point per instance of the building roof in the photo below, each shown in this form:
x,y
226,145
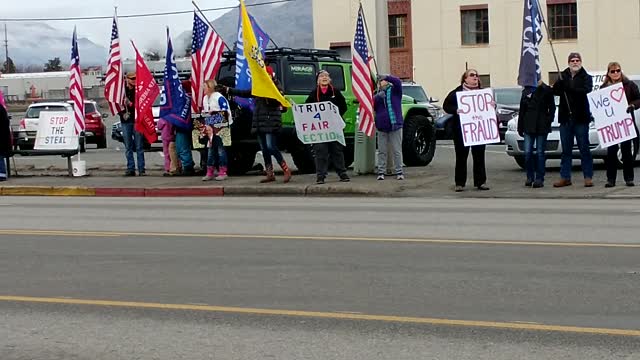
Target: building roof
x,y
41,75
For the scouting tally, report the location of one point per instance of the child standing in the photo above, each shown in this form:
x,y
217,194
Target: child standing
x,y
218,122
171,162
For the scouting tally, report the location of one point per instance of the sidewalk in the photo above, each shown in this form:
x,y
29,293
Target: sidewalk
x,y
431,181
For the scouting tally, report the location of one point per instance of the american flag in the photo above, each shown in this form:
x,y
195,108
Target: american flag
x,y
206,53
361,78
76,94
114,83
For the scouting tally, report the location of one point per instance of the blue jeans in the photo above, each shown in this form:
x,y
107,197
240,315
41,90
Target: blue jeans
x,y
183,148
581,133
535,164
3,167
133,142
217,156
269,148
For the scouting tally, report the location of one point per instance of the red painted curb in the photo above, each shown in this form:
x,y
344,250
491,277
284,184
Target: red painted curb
x,y
120,192
176,192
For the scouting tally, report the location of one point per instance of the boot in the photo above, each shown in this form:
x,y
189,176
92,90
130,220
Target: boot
x,y
222,175
209,175
562,183
287,171
271,177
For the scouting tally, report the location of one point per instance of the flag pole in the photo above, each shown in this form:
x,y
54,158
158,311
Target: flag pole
x,y
366,27
209,22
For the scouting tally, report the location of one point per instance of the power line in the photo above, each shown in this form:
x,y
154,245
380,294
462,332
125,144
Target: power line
x,y
136,15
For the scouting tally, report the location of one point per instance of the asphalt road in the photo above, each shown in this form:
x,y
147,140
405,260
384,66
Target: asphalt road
x,y
287,278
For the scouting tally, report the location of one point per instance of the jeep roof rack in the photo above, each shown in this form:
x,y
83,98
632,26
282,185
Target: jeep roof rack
x,y
293,53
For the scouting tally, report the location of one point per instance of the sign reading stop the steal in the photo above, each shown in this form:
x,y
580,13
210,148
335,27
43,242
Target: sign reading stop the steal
x,y
478,119
56,131
318,123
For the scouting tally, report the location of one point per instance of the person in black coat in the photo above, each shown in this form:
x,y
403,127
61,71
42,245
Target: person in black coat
x,y
266,123
5,142
537,110
614,76
574,116
330,151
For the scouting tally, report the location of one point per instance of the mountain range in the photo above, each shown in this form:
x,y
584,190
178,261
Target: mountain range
x,y
289,23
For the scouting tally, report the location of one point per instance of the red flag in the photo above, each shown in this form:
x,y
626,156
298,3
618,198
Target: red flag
x,y
146,93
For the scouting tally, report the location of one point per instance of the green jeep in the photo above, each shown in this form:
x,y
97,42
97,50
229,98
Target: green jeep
x,y
296,70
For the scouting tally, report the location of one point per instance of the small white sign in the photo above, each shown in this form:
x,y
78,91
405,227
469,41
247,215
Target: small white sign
x,y
609,109
478,119
56,131
318,123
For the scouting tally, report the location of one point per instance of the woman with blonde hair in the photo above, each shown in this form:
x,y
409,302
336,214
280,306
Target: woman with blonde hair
x,y
615,76
218,120
469,81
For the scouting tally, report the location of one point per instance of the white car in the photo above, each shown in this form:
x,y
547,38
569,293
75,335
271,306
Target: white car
x,y
515,143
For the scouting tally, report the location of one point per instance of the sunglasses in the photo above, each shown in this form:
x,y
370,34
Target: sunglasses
x,y
615,71
129,78
473,75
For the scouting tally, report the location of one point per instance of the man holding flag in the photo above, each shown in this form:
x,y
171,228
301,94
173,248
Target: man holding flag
x,y
537,107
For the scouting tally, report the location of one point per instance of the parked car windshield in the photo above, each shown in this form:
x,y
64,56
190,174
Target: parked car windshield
x,y
508,96
89,108
34,112
416,92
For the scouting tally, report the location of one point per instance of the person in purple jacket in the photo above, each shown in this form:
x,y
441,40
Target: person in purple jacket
x,y
388,113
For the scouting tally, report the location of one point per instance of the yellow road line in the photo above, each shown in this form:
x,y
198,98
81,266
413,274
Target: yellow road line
x,y
313,238
326,315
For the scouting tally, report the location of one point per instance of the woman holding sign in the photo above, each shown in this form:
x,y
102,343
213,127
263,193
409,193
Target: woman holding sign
x,y
329,151
470,81
615,76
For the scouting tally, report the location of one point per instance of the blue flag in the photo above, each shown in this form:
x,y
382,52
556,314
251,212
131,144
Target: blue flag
x,y
530,71
243,75
175,104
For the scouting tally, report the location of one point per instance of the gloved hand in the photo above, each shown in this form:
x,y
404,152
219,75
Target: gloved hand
x,y
631,109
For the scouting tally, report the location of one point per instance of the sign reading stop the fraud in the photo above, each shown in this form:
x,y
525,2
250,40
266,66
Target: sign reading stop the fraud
x,y
478,119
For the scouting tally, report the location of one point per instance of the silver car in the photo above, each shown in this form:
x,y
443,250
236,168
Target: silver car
x,y
515,143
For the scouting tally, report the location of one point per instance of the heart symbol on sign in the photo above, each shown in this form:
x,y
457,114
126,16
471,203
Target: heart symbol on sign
x,y
617,94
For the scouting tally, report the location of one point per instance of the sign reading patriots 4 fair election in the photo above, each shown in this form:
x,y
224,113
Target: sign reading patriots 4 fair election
x,y
609,109
318,123
478,118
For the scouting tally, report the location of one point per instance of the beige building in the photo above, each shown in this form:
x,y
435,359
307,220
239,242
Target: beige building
x,y
449,35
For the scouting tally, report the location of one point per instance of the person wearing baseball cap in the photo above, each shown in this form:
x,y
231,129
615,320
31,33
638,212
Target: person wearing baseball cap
x,y
574,115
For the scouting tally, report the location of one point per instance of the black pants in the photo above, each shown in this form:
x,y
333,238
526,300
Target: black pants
x,y
627,161
462,154
331,151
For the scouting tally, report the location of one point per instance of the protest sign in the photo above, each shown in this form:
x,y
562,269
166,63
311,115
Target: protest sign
x,y
56,131
478,119
318,123
609,109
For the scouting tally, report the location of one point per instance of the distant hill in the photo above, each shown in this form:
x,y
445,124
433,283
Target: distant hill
x,y
290,24
27,49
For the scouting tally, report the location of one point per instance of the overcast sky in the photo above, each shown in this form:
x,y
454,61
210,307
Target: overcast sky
x,y
146,32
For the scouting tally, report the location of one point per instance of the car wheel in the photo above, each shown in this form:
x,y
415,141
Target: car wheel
x,y
102,143
26,147
304,158
418,141
520,161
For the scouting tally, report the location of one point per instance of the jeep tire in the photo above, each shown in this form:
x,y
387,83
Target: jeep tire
x,y
303,158
418,141
240,160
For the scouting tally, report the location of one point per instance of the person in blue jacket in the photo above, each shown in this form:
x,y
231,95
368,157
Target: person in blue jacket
x,y
387,107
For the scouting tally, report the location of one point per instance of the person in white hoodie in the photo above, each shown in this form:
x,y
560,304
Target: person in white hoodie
x,y
218,121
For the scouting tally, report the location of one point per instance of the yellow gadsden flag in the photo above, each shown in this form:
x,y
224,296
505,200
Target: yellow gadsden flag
x,y
261,83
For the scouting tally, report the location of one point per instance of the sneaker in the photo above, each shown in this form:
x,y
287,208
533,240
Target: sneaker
x,y
528,183
538,185
221,177
459,188
610,184
562,183
130,173
344,178
630,183
320,180
380,176
483,187
400,177
588,182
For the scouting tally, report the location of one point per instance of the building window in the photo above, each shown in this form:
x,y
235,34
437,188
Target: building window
x,y
475,26
485,80
563,20
397,31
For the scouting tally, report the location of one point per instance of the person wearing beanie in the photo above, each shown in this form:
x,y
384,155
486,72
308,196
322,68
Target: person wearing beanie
x,y
330,151
574,116
387,106
537,110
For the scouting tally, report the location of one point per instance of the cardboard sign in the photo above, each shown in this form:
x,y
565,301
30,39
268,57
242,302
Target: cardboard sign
x,y
478,119
609,109
318,123
56,131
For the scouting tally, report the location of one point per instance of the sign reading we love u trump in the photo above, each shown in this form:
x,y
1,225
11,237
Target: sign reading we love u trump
x,y
609,109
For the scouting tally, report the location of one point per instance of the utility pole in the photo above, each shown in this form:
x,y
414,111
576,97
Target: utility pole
x,y
6,45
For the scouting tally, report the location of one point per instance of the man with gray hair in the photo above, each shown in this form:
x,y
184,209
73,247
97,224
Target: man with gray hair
x,y
574,116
